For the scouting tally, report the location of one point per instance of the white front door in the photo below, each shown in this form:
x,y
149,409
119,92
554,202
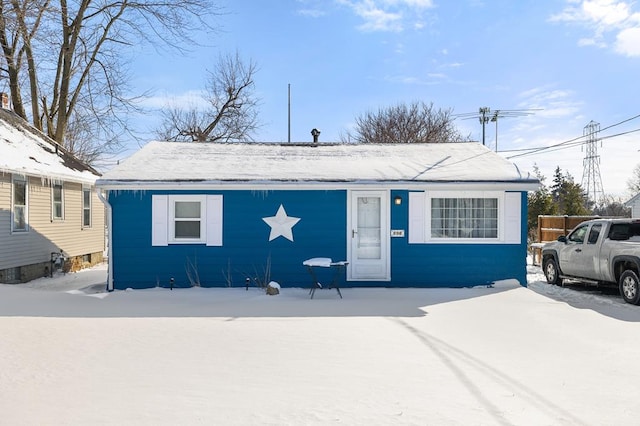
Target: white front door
x,y
369,235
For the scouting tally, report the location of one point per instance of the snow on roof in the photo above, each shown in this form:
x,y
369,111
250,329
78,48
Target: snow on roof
x,y
26,151
262,162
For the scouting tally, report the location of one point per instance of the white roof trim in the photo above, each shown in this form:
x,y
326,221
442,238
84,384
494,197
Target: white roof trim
x,y
274,186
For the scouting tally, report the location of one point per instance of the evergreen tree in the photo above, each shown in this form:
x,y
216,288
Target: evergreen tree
x,y
568,196
574,199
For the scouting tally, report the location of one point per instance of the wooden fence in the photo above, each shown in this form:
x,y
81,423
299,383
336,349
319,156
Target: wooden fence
x,y
550,228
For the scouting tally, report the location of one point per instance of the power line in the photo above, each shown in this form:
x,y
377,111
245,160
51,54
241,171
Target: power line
x,y
484,115
565,145
572,142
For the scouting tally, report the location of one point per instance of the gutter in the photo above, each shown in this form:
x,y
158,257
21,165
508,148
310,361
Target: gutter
x,y
109,240
205,185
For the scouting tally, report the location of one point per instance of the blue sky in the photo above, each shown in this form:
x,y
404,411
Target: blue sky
x,y
571,61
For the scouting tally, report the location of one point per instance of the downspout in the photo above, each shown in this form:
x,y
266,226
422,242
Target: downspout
x,y
109,240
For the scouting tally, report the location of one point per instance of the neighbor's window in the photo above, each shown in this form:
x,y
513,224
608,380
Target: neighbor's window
x,y
187,218
19,205
464,218
86,207
57,197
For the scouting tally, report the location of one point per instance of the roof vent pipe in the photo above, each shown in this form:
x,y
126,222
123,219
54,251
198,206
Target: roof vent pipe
x,y
315,133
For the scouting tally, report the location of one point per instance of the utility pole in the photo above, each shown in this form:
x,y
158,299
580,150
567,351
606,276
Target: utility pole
x,y
483,113
591,179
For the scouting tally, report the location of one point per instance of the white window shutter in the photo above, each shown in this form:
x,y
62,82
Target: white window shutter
x,y
159,220
417,217
512,217
214,220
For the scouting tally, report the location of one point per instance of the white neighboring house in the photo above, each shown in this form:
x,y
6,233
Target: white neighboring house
x,y
634,203
48,205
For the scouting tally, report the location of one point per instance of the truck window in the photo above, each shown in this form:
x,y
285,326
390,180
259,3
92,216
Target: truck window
x,y
594,233
619,232
577,236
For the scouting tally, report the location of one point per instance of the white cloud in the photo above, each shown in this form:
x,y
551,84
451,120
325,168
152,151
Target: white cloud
x,y
311,8
388,15
552,103
611,22
312,13
628,42
591,42
606,12
188,99
377,19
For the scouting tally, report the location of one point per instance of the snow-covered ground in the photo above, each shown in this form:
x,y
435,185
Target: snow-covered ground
x,y
71,354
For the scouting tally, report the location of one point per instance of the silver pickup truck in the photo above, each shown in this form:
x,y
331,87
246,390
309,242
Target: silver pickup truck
x,y
602,252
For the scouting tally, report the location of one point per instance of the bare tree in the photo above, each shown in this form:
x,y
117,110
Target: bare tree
x,y
231,111
413,123
64,61
634,182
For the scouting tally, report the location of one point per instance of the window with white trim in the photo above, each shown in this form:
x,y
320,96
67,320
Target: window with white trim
x,y
57,200
19,213
186,219
465,217
86,207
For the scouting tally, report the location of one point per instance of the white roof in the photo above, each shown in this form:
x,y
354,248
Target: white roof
x,y
633,199
188,162
25,151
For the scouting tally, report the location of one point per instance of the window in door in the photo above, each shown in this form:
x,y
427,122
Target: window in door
x,y
369,228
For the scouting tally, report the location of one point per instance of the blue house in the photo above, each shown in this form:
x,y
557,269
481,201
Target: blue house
x,y
401,215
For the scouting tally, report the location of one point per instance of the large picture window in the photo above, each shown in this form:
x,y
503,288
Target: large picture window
x,y
19,212
472,217
464,218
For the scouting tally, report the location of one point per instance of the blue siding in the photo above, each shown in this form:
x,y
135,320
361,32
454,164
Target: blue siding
x,y
454,265
246,247
321,232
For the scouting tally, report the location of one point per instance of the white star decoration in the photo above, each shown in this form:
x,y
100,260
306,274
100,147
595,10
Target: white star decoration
x,y
281,224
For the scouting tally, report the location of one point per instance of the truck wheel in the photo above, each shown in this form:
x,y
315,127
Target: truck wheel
x,y
551,271
630,287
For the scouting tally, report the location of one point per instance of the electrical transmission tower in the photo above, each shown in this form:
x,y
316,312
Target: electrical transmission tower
x,y
591,179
